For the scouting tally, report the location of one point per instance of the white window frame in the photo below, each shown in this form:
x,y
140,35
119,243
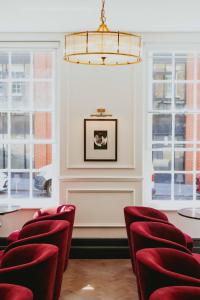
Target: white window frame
x,y
172,204
35,202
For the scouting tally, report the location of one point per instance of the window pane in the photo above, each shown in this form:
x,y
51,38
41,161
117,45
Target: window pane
x,y
3,65
198,96
162,94
183,186
161,160
162,67
184,67
198,158
42,65
160,145
198,186
42,95
184,127
162,127
42,156
3,184
198,127
20,126
3,125
162,187
198,67
20,156
184,95
3,95
42,125
20,185
3,156
20,65
20,94
183,160
42,182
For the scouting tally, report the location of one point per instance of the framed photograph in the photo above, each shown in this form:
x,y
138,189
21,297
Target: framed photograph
x,y
100,139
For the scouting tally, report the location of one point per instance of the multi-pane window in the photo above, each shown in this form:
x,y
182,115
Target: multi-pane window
x,y
27,133
174,116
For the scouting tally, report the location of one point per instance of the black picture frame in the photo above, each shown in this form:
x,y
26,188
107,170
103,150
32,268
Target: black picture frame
x,y
100,139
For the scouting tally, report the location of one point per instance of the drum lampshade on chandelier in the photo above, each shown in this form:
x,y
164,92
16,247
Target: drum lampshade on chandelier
x,y
102,47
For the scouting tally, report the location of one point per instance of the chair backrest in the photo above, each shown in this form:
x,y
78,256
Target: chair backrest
x,y
14,292
156,235
32,266
177,293
53,232
62,212
141,213
161,267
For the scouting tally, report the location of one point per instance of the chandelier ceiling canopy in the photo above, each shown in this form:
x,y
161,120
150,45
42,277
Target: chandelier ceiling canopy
x,y
102,47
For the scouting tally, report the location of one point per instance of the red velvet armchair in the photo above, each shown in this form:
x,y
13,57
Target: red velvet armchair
x,y
176,293
32,266
14,292
53,232
162,267
62,212
141,213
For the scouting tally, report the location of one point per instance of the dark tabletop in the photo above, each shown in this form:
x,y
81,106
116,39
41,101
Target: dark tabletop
x,y
6,209
190,212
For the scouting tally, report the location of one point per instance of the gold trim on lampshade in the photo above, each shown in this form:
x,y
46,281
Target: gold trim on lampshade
x,y
102,48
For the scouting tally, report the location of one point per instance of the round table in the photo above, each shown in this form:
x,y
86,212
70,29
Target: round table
x,y
190,212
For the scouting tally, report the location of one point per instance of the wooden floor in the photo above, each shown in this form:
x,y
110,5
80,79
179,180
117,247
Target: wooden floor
x,y
99,279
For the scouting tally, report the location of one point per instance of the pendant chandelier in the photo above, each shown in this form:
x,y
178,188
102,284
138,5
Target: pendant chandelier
x,y
102,47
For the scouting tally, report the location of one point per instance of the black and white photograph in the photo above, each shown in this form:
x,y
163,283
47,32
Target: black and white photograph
x,y
100,139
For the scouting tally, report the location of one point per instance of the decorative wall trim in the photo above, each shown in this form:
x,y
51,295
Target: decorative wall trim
x,y
101,179
100,166
132,144
97,191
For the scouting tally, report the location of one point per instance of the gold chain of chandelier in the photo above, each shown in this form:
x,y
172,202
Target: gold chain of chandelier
x,y
103,18
103,26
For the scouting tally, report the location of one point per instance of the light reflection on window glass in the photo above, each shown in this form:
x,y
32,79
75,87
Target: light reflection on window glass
x,y
4,65
161,186
20,125
42,95
20,185
20,65
183,186
183,96
20,156
162,127
20,94
3,125
3,95
3,156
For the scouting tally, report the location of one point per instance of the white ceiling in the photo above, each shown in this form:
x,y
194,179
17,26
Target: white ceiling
x,y
74,15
